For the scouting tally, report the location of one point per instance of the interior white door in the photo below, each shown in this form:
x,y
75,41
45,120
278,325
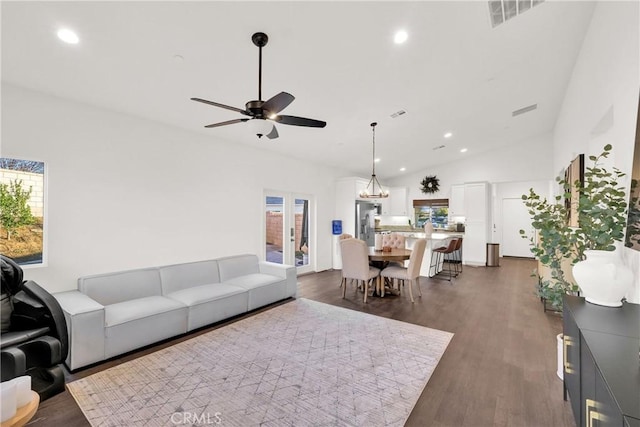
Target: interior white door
x,y
515,217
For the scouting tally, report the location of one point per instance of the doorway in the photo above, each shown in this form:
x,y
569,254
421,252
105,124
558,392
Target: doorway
x,y
287,230
515,218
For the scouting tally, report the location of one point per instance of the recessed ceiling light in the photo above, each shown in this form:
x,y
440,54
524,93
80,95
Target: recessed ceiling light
x,y
376,160
400,37
68,36
463,150
403,169
448,135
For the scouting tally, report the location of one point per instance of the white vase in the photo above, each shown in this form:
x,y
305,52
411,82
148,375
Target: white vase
x,y
602,277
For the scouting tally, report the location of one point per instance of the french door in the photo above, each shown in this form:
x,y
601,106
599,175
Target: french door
x,y
287,229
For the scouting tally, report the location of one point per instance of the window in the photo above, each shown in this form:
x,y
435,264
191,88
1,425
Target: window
x,y
434,210
22,190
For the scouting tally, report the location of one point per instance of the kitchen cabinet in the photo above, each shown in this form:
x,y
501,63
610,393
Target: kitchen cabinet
x,y
396,203
476,201
477,222
456,201
601,363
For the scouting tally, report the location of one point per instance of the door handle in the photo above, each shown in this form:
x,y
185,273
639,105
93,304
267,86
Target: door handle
x,y
593,414
566,341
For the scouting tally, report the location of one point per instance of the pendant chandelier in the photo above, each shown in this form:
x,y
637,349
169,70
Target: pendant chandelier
x,y
370,191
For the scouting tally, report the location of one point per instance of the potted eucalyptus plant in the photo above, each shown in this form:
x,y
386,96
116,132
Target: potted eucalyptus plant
x,y
554,247
601,208
602,216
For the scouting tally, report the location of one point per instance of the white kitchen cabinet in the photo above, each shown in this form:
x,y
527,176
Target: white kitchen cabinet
x,y
456,201
476,201
477,222
396,203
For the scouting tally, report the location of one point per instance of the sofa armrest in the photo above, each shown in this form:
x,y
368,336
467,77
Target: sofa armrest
x,y
85,325
287,272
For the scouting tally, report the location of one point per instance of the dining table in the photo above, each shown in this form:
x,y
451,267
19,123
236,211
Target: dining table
x,y
380,259
395,254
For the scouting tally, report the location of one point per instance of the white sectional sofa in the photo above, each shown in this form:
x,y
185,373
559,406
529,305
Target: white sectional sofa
x,y
113,313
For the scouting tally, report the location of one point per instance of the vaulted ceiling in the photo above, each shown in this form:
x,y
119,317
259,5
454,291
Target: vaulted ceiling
x,y
455,73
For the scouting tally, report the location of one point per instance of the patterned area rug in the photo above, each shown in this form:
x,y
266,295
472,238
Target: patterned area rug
x,y
303,363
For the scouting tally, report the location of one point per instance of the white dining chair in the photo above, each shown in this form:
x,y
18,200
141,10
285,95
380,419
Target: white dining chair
x,y
411,273
355,266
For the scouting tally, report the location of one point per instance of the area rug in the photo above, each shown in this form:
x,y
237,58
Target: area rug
x,y
303,363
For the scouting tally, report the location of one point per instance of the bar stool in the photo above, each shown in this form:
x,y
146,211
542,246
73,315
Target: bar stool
x,y
457,256
440,254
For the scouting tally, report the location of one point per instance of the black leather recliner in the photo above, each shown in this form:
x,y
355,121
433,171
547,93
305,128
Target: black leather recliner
x,y
36,341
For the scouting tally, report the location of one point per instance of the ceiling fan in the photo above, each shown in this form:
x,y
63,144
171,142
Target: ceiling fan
x,y
260,112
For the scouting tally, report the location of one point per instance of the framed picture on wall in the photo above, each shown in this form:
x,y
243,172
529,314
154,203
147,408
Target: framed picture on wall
x,y
574,176
632,238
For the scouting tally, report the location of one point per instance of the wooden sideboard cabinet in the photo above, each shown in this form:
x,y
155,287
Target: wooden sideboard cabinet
x,y
602,363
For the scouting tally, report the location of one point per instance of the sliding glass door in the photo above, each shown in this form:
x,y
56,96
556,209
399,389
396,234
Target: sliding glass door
x,y
287,237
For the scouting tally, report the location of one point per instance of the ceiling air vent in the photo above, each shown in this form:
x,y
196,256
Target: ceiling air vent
x,y
398,113
524,110
502,10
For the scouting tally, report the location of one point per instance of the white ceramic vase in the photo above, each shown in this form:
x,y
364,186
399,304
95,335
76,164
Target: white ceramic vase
x,y
602,277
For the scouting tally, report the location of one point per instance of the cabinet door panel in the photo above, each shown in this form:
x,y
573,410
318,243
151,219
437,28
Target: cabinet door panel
x,y
572,362
631,422
588,402
607,411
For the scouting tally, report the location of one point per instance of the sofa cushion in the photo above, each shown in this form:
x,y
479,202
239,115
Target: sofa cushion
x,y
263,289
212,303
205,293
127,311
134,324
183,276
235,266
113,288
252,281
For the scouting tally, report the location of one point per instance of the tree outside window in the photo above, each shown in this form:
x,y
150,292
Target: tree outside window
x,y
22,210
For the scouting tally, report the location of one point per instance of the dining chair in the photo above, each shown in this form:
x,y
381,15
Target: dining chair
x,y
440,254
393,240
355,265
411,273
344,236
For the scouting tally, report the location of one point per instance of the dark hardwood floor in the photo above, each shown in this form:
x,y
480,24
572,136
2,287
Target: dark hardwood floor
x,y
499,369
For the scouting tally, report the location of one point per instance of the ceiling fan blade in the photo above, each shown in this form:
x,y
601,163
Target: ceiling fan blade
x,y
228,122
299,121
277,103
215,104
273,134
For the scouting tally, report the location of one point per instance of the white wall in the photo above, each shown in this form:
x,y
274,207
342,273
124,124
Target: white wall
x,y
111,204
601,102
528,160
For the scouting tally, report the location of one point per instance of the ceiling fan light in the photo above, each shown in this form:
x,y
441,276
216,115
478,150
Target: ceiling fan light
x,y
68,36
260,127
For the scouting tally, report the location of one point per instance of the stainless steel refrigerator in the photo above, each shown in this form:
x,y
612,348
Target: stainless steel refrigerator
x,y
365,221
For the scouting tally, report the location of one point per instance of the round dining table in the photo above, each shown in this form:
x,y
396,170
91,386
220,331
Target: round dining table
x,y
381,258
393,255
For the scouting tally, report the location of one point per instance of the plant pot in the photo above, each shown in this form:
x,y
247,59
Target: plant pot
x,y
602,277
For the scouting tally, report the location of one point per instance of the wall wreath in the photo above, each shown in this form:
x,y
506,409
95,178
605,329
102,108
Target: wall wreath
x,y
430,184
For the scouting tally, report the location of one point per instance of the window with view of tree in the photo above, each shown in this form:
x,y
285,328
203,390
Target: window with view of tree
x,y
435,211
22,210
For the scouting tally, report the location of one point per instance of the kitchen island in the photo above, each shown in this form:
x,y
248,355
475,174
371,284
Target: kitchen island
x,y
436,240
